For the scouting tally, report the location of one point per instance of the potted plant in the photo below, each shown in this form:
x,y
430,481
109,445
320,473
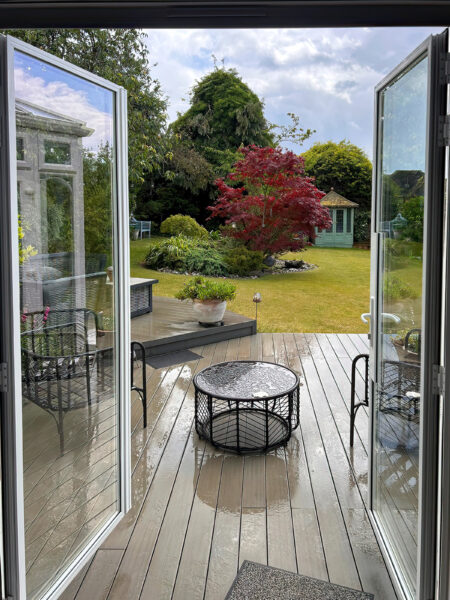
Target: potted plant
x,y
209,297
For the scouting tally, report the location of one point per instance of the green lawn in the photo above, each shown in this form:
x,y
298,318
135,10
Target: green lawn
x,y
328,299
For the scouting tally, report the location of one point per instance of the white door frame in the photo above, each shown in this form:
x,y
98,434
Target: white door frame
x,y
10,320
435,47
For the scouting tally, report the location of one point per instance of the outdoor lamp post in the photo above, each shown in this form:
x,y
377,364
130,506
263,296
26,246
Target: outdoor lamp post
x,y
256,299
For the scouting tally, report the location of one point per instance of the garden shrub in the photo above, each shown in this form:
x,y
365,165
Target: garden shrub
x,y
241,261
402,248
170,253
181,253
362,225
208,261
396,289
413,212
184,225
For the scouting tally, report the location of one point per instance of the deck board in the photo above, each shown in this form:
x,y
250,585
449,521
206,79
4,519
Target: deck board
x,y
198,513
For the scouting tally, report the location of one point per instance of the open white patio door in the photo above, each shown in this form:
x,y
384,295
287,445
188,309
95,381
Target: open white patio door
x,y
64,325
406,289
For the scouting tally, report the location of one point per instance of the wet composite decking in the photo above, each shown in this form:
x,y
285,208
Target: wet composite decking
x,y
197,513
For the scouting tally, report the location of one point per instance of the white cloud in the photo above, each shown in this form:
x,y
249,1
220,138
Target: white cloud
x,y
63,99
327,76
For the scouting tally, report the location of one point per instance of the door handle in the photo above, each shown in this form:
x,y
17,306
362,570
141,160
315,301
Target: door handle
x,y
388,316
365,319
391,317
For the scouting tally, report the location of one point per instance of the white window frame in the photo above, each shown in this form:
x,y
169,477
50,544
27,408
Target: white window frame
x,y
14,535
430,432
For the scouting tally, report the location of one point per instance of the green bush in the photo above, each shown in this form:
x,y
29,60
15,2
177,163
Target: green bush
x,y
181,253
208,261
170,253
362,225
396,289
402,248
184,225
241,261
413,212
199,288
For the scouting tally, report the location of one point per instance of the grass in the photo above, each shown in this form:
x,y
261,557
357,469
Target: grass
x,y
328,299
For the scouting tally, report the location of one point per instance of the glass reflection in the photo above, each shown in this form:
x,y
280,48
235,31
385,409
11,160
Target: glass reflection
x,y
65,155
397,410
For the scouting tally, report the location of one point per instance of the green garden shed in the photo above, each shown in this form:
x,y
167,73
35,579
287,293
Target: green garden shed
x,y
340,234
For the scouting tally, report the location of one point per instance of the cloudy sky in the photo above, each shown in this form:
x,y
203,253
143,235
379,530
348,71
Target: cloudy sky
x,y
52,88
326,76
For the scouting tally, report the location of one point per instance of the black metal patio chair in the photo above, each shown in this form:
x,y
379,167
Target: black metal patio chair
x,y
399,384
62,367
58,361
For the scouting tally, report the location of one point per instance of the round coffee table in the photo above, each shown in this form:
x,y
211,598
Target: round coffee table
x,y
246,406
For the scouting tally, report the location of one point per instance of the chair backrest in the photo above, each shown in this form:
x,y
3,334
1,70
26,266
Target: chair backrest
x,y
58,333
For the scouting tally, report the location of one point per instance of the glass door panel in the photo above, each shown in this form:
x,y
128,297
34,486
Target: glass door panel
x,y
66,195
401,163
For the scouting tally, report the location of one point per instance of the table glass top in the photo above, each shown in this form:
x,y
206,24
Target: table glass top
x,y
246,380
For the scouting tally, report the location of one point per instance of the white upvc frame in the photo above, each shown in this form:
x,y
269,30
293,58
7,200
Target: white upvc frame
x,y
444,491
434,47
10,320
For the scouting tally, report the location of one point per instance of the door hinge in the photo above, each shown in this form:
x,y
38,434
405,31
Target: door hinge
x,y
444,130
438,379
3,377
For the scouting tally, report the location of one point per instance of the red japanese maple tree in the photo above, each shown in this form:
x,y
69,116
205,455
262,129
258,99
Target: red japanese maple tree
x,y
275,206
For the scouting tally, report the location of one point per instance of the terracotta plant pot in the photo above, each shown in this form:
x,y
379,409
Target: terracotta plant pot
x,y
209,311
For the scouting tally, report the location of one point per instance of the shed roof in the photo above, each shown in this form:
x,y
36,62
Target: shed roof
x,y
335,200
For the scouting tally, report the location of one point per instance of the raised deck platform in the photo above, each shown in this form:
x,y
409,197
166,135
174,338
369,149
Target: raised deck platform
x,y
173,326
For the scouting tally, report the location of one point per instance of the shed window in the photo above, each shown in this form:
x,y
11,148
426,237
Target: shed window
x,y
340,221
349,221
330,228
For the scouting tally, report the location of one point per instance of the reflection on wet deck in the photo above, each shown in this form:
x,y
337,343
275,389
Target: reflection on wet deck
x,y
197,513
67,497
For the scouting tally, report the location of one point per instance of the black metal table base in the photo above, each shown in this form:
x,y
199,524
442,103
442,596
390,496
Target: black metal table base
x,y
245,436
244,425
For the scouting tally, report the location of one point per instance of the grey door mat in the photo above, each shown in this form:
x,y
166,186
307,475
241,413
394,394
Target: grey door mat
x,y
259,582
173,358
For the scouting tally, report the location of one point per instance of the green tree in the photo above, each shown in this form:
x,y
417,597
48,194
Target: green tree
x,y
224,114
182,187
97,177
413,212
343,166
121,56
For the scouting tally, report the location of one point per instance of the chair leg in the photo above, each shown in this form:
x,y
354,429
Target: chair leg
x,y
60,427
144,408
353,406
142,391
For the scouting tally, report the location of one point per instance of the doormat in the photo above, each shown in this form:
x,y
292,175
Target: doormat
x,y
259,582
173,358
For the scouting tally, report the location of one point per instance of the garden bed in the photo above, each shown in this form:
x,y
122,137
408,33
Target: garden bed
x,y
279,268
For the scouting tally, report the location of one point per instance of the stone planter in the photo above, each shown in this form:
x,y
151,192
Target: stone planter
x,y
209,311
